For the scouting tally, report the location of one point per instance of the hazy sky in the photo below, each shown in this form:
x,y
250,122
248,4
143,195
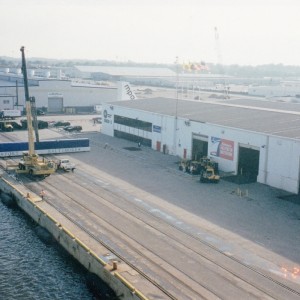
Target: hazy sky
x,y
250,31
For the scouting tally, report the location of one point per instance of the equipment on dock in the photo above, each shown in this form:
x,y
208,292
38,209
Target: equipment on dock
x,y
31,163
208,174
190,166
66,165
6,126
10,113
209,170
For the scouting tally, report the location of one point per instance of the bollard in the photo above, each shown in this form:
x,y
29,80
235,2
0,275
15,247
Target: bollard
x,y
115,265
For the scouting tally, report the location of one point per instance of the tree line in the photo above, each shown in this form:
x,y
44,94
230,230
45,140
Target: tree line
x,y
259,71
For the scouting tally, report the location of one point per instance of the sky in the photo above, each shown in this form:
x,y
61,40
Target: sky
x,y
249,32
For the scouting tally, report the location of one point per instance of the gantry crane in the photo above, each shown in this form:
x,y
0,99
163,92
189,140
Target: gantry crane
x,y
31,163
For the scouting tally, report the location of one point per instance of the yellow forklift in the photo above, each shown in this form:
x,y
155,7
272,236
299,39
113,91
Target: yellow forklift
x,y
209,170
31,163
208,174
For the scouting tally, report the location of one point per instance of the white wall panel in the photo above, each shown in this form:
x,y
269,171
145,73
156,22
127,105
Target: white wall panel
x,y
278,157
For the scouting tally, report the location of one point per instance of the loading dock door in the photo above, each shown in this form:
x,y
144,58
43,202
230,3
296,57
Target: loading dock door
x,y
158,145
199,146
55,104
248,163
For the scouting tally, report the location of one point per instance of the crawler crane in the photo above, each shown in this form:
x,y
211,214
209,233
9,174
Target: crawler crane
x,y
31,163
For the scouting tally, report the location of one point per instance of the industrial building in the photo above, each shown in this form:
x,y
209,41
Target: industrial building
x,y
89,87
282,90
258,139
56,96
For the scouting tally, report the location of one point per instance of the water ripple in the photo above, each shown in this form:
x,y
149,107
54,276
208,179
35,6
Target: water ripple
x,y
30,269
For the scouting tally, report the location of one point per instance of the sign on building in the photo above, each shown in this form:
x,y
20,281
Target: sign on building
x,y
222,148
156,128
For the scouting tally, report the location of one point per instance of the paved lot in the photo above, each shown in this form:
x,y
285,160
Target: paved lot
x,y
85,121
261,217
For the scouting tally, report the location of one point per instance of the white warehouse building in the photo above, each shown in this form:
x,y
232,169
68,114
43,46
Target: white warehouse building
x,y
258,138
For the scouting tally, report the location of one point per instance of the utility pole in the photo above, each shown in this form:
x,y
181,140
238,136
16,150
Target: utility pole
x,y
177,78
176,108
17,95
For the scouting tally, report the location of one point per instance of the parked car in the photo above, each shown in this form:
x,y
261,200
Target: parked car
x,y
16,125
97,120
41,124
61,124
39,112
73,128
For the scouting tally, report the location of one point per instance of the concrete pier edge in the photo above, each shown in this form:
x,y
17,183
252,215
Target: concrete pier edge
x,y
74,246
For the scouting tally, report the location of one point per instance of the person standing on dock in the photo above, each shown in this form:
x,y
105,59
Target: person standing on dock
x,y
42,194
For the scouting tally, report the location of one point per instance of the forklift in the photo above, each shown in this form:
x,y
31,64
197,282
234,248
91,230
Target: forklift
x,y
209,170
208,174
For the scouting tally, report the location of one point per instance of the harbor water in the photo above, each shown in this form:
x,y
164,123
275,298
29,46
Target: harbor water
x,y
32,267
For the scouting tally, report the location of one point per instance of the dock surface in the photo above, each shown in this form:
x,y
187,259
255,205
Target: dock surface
x,y
152,232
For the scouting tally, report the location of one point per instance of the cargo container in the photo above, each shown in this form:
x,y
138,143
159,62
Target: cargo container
x,y
10,113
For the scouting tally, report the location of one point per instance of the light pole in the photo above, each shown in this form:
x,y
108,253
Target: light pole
x,y
177,79
176,108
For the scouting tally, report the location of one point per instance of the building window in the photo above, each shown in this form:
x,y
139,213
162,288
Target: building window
x,y
146,126
5,101
133,138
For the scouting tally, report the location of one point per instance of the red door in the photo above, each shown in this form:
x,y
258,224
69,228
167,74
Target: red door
x,y
158,145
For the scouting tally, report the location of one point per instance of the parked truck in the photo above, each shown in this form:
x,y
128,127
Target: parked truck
x,y
65,164
10,113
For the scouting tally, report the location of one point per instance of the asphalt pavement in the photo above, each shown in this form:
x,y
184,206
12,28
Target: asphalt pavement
x,y
266,216
259,215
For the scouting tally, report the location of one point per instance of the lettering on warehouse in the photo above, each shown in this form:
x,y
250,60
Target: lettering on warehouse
x,y
129,92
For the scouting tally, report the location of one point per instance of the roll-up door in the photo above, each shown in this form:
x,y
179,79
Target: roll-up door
x,y
199,146
55,105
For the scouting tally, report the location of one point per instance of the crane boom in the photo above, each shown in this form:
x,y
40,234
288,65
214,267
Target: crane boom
x,y
31,163
24,71
28,105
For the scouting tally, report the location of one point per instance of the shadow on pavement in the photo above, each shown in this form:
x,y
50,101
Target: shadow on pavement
x,y
240,179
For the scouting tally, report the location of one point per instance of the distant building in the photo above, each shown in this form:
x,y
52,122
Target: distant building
x,y
77,97
281,90
6,101
8,95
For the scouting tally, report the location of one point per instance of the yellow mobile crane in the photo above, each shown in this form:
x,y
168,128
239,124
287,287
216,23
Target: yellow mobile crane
x,y
31,163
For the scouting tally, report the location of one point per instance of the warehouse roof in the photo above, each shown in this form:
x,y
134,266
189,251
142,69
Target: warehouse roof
x,y
258,116
128,71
